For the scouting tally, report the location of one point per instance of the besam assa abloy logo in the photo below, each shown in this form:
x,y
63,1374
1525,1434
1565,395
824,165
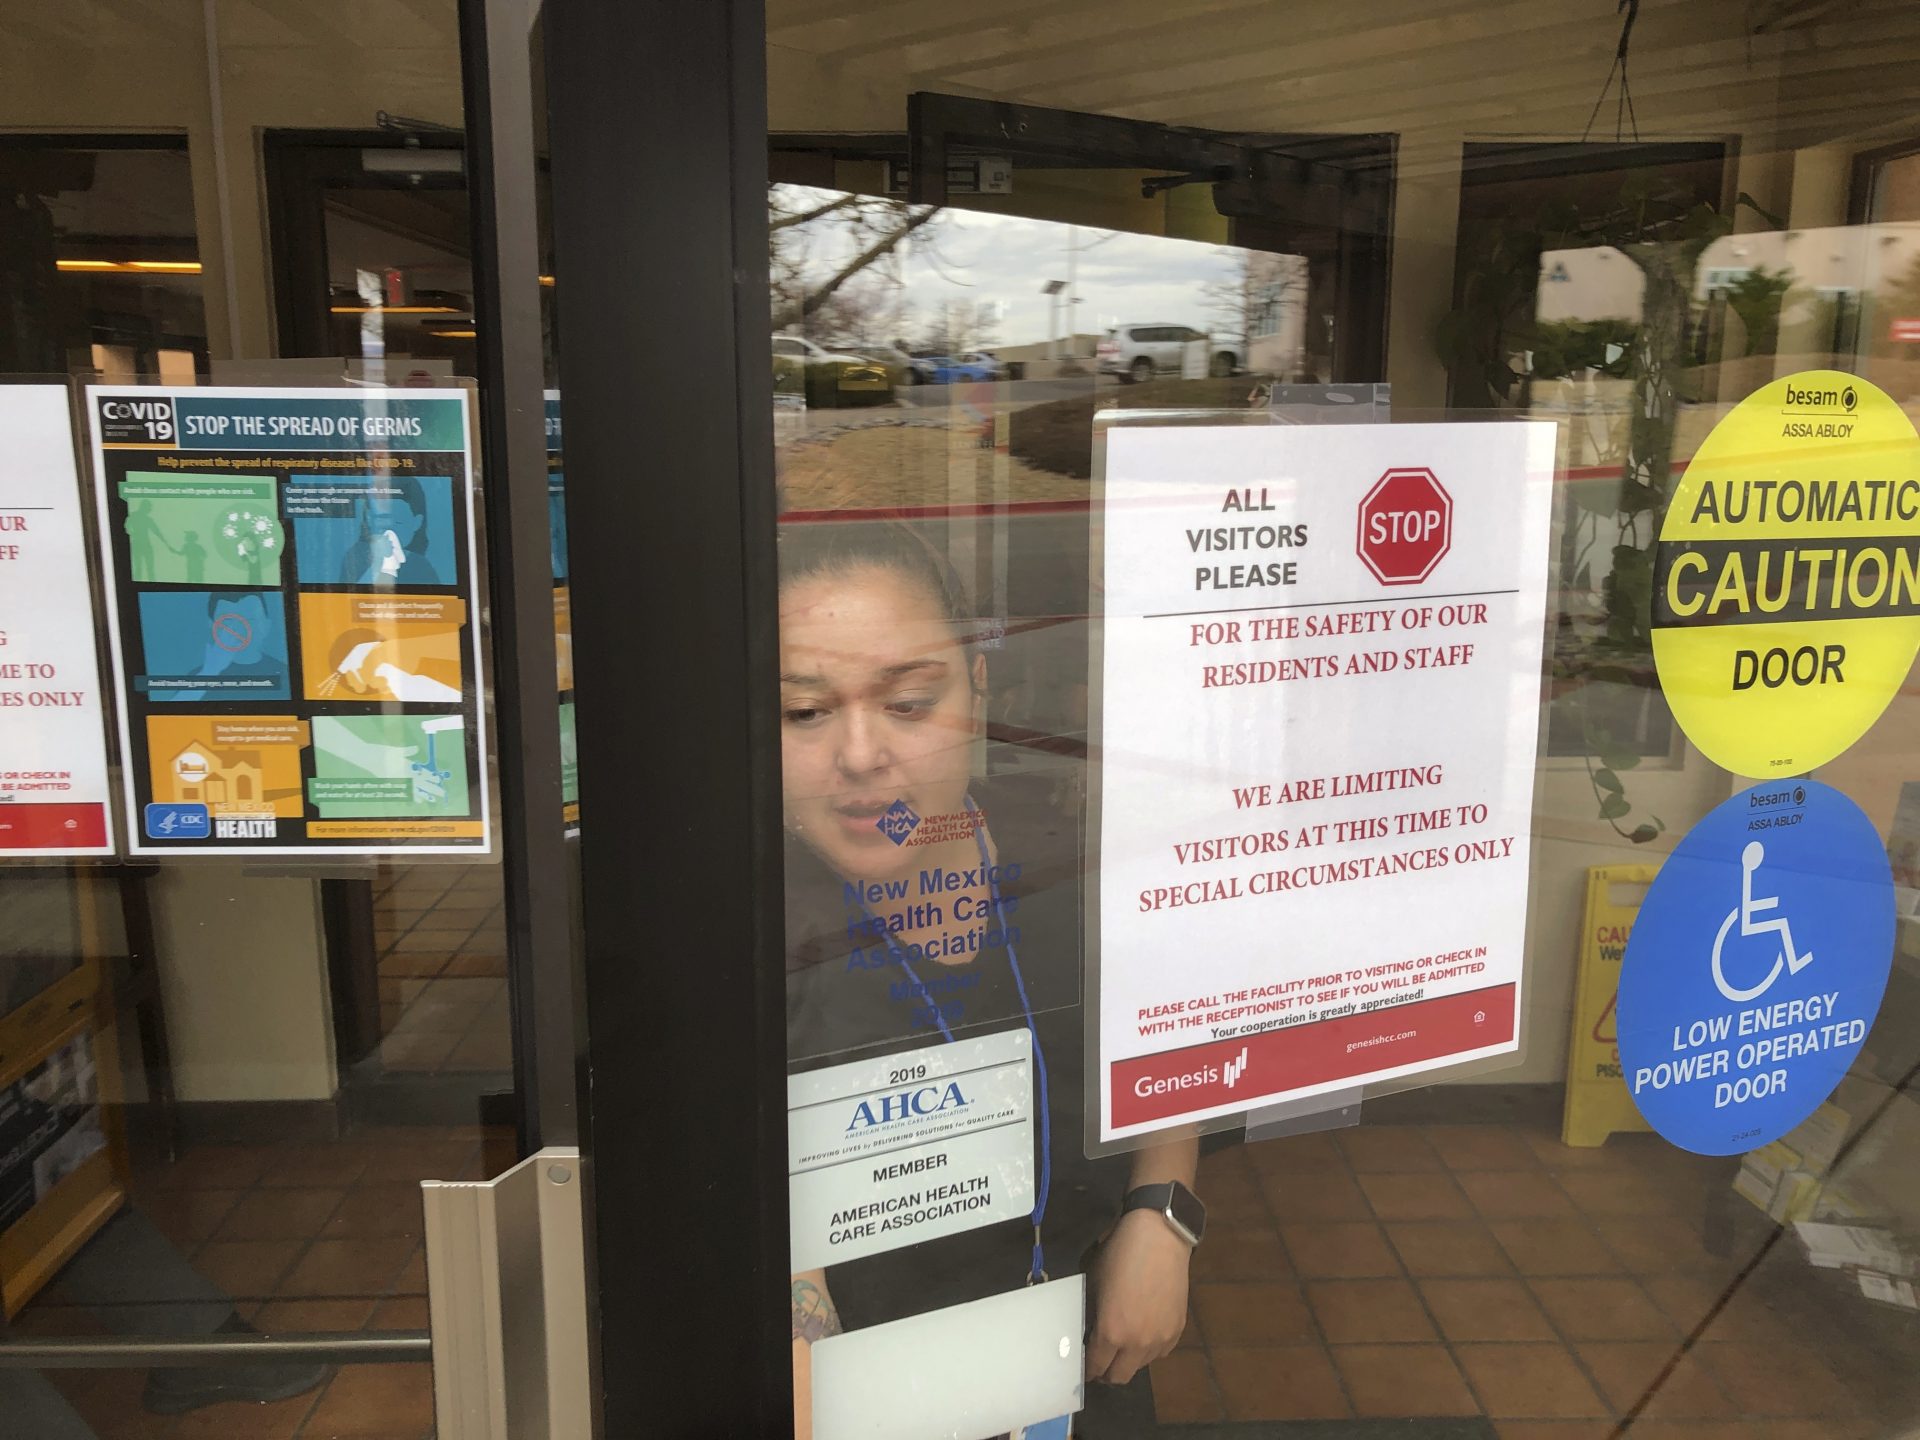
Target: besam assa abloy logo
x,y
897,822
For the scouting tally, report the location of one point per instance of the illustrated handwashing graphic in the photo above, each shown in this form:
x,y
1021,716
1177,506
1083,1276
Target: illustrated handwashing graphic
x,y
429,780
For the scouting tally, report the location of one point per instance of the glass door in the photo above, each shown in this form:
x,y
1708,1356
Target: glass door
x,y
1223,810
1233,712
234,1039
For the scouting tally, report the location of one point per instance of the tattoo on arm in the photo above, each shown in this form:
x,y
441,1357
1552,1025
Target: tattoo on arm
x,y
814,1317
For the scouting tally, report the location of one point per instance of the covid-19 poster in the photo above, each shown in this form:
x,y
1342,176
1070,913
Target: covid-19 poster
x,y
53,739
562,614
293,611
1319,700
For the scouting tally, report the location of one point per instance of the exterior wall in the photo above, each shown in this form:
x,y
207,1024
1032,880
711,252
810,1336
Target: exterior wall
x,y
243,971
1600,283
90,66
1278,343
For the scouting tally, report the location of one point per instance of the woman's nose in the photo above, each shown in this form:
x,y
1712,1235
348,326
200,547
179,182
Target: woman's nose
x,y
863,747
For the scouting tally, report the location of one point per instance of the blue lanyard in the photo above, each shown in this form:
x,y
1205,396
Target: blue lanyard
x,y
1039,1271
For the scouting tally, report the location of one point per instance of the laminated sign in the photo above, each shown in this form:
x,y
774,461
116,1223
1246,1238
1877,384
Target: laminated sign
x,y
1786,605
53,741
292,586
1320,695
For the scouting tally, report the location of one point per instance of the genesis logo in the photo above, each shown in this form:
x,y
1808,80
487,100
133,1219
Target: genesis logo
x,y
1226,1076
1230,1073
897,822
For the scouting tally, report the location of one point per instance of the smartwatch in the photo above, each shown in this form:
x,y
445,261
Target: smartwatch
x,y
1175,1204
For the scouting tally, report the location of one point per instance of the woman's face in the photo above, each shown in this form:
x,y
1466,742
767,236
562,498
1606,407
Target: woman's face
x,y
877,706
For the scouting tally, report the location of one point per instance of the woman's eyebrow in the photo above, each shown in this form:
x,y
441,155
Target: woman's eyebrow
x,y
889,672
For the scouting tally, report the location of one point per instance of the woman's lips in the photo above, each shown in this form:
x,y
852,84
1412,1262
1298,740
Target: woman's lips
x,y
860,816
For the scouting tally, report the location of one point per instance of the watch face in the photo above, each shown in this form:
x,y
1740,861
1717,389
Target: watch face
x,y
1187,1212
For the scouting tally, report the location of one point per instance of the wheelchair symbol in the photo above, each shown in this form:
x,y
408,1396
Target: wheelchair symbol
x,y
1748,908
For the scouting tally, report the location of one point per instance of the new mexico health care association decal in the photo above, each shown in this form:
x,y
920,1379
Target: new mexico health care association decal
x,y
1786,605
1756,967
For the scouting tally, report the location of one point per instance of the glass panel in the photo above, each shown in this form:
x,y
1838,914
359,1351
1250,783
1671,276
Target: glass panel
x,y
399,282
1309,735
222,1081
104,255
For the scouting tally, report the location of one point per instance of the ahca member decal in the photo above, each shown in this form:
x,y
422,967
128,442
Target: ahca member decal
x,y
1786,604
1756,967
909,1147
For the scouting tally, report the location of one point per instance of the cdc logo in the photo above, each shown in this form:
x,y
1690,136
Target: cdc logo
x,y
178,822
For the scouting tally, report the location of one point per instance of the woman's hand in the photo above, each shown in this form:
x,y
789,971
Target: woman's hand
x,y
814,1318
1140,1295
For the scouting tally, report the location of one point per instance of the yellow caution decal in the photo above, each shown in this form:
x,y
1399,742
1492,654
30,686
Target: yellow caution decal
x,y
1786,604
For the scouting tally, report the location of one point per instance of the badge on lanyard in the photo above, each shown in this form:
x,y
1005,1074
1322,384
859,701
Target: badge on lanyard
x,y
1037,1272
989,1367
890,1151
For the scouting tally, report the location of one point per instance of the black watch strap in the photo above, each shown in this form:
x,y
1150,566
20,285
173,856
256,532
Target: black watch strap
x,y
1174,1203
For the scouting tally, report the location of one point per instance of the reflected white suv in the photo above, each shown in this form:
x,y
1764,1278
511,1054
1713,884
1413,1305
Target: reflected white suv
x,y
1139,352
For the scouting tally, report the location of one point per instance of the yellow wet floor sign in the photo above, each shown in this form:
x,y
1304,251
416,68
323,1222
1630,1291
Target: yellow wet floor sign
x,y
1597,1101
1786,604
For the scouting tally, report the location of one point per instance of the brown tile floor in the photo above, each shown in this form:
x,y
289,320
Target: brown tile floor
x,y
441,933
1389,1271
1473,1292
1379,1272
306,1238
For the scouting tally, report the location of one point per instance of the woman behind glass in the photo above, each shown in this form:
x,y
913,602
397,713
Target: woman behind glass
x,y
883,694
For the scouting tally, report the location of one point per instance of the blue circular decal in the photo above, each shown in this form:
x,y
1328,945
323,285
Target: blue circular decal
x,y
1756,967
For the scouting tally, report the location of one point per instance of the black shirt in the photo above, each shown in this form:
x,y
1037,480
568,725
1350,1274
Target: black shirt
x,y
843,1005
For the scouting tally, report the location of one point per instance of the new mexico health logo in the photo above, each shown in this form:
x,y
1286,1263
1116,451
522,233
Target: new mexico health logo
x,y
1756,967
1786,604
897,822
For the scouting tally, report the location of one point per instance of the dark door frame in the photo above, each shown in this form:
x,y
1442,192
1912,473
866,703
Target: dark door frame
x,y
658,119
298,166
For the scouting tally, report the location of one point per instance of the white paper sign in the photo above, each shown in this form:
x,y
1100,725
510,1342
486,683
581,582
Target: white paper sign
x,y
909,1147
1320,702
988,1367
53,750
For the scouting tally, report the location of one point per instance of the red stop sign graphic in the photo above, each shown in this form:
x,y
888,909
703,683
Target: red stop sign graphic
x,y
1406,526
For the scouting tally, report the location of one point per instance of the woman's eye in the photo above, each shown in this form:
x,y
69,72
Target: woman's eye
x,y
803,714
910,707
